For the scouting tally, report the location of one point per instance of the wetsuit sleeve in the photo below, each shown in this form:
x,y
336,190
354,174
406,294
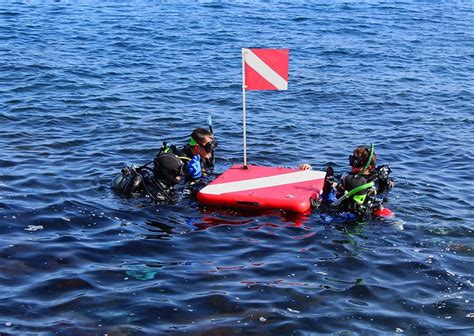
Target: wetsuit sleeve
x,y
207,165
340,187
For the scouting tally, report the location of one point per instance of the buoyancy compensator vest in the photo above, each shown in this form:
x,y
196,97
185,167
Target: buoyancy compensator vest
x,y
355,194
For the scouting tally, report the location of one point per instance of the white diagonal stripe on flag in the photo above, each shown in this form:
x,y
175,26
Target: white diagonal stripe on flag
x,y
263,182
265,71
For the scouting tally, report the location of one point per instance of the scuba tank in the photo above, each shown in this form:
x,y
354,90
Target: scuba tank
x,y
137,180
128,182
131,179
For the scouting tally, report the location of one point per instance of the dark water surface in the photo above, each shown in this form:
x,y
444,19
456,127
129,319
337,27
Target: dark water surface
x,y
87,88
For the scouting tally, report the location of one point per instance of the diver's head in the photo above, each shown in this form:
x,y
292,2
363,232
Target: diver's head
x,y
168,168
202,143
363,159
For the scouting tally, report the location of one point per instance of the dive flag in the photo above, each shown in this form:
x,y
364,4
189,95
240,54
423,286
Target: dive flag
x,y
266,69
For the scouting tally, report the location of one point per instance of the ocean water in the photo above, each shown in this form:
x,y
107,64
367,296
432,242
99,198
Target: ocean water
x,y
87,88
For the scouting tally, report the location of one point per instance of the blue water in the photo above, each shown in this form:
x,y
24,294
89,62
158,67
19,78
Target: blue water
x,y
87,88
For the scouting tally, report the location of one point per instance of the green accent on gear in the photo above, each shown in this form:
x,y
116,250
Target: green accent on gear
x,y
352,192
372,147
359,198
192,142
359,188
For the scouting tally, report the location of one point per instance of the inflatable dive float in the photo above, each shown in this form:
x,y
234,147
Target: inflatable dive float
x,y
264,188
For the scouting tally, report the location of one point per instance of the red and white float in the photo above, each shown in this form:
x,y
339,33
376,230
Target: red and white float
x,y
264,188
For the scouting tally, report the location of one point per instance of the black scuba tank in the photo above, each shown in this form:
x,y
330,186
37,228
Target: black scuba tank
x,y
128,182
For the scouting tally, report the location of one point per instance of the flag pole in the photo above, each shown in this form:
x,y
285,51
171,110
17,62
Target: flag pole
x,y
243,109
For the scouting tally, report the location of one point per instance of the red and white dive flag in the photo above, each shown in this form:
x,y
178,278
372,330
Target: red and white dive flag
x,y
266,69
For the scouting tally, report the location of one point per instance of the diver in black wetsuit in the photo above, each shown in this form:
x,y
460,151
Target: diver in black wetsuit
x,y
194,162
361,190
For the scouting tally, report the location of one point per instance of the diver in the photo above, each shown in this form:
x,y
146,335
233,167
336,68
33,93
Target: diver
x,y
157,183
360,192
192,163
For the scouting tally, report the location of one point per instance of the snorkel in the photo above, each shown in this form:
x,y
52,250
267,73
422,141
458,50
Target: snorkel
x,y
209,123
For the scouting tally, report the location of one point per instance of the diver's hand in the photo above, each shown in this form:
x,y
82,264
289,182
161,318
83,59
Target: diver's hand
x,y
330,197
305,166
194,167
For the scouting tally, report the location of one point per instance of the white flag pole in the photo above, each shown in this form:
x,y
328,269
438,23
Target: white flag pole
x,y
243,108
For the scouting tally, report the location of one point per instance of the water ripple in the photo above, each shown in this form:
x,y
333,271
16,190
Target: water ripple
x,y
86,89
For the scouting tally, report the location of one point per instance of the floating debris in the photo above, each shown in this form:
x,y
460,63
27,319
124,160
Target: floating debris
x,y
142,275
34,227
293,310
